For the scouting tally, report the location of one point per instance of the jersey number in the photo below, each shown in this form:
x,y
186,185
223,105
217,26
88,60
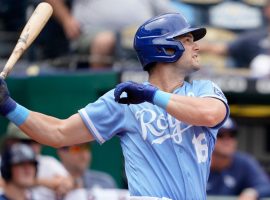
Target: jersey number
x,y
201,147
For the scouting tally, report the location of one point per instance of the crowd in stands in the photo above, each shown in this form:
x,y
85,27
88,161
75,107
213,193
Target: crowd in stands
x,y
99,34
235,173
47,177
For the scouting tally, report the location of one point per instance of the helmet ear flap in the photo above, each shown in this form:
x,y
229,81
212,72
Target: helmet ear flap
x,y
167,52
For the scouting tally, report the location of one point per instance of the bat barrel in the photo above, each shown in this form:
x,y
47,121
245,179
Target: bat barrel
x,y
32,28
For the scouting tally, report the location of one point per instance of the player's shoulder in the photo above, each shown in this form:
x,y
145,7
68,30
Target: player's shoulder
x,y
202,83
203,87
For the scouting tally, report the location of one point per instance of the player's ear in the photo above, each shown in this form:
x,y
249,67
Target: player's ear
x,y
170,51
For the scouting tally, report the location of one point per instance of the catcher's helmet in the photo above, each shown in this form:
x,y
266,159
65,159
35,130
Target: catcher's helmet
x,y
16,154
157,34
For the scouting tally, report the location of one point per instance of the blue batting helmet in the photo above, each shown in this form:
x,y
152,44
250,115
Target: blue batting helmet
x,y
157,34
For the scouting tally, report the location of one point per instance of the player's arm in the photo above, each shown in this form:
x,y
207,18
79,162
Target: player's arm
x,y
197,111
43,128
192,110
56,132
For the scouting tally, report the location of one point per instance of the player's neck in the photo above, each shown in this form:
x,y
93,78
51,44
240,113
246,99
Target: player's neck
x,y
165,79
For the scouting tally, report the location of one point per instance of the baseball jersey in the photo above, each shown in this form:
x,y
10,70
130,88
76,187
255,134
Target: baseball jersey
x,y
164,157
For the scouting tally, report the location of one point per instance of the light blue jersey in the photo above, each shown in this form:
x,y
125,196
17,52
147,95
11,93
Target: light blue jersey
x,y
164,157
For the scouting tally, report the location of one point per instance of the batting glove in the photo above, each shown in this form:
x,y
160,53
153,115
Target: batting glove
x,y
136,93
7,104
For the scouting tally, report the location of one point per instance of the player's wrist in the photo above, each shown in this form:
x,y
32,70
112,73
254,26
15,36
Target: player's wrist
x,y
149,93
7,106
14,112
162,99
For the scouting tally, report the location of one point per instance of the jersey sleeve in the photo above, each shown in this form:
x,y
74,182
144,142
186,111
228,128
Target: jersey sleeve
x,y
104,118
210,89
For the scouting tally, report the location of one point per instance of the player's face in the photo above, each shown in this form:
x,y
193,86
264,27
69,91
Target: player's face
x,y
23,174
190,58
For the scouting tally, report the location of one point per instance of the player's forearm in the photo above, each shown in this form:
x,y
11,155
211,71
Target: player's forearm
x,y
197,111
56,132
44,129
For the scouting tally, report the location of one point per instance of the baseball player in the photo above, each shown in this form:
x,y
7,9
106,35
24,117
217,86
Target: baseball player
x,y
167,126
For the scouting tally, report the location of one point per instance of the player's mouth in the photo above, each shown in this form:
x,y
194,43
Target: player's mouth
x,y
195,57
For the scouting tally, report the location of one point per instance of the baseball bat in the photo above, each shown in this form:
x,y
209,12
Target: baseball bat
x,y
33,27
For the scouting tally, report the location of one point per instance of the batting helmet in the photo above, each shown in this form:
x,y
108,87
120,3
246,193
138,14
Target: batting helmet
x,y
16,154
158,34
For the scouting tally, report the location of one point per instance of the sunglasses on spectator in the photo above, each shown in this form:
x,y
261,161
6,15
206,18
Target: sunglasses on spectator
x,y
77,148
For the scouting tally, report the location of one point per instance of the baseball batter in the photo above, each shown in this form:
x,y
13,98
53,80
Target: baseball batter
x,y
167,126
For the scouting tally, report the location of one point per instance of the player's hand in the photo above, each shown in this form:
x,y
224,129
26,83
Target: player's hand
x,y
6,103
4,93
136,93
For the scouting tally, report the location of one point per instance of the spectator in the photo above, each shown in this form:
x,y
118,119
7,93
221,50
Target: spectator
x,y
19,169
53,180
77,160
234,173
92,25
247,46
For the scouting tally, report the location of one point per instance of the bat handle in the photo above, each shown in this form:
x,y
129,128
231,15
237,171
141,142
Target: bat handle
x,y
3,75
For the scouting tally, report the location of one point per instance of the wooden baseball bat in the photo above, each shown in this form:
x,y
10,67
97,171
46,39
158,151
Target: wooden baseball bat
x,y
33,27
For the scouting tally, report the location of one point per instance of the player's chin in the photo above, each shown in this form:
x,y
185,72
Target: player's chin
x,y
196,66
